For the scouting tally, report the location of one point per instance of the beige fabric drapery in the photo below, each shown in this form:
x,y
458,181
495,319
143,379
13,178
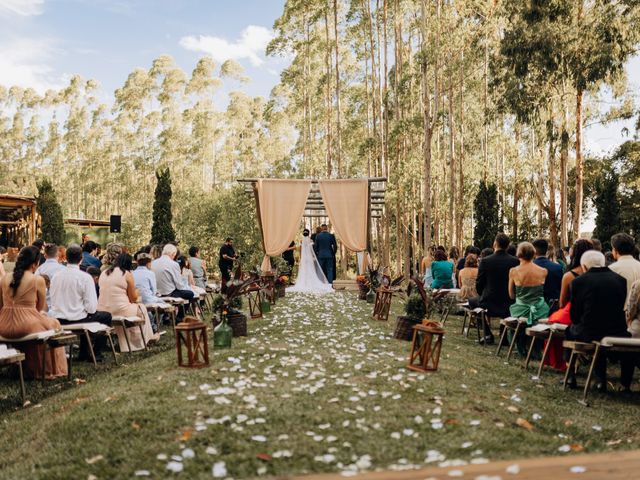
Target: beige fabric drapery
x,y
281,204
347,204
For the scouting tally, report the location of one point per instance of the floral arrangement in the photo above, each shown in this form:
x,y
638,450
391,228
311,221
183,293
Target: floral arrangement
x,y
430,298
282,280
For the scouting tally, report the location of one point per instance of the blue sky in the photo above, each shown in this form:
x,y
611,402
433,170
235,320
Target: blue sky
x,y
43,42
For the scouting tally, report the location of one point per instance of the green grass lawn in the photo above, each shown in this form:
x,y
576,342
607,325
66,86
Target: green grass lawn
x,y
317,386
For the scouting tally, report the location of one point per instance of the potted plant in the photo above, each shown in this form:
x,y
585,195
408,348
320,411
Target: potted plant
x,y
363,286
229,305
419,307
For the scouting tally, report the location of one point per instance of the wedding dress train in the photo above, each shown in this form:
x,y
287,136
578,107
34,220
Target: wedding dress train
x,y
311,278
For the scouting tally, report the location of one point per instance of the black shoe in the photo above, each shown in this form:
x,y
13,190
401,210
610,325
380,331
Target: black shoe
x,y
488,340
572,384
601,387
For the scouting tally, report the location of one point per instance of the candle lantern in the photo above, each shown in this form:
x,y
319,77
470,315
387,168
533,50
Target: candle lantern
x,y
425,348
192,335
255,302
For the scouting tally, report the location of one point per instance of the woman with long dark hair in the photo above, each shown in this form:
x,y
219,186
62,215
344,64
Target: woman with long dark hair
x,y
22,298
119,297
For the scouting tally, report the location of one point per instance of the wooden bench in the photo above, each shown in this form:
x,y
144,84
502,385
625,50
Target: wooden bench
x,y
544,331
10,356
609,344
514,324
130,322
89,330
49,339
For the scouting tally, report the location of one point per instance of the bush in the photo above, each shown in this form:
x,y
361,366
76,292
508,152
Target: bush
x,y
52,223
162,231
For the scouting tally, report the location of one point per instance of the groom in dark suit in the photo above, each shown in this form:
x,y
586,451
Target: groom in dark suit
x,y
325,247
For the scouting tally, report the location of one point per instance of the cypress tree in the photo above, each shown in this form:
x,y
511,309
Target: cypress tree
x,y
607,206
487,215
162,231
51,221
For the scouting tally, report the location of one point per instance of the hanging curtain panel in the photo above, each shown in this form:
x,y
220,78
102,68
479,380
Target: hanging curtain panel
x,y
281,205
347,204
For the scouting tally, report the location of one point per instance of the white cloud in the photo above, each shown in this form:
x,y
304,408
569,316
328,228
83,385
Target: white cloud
x,y
251,45
25,8
25,63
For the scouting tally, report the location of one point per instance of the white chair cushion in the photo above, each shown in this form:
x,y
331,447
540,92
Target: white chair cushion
x,y
93,327
620,342
32,336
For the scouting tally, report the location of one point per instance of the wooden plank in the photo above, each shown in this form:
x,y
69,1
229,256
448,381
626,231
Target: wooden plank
x,y
622,465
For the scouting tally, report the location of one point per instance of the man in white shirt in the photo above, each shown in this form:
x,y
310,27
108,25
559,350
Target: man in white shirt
x,y
74,300
50,267
168,276
623,245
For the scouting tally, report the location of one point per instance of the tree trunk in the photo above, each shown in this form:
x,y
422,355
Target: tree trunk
x,y
577,215
564,155
338,125
460,216
327,64
452,167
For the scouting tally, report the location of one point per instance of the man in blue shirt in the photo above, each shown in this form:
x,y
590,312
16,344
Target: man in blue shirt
x,y
89,250
554,276
145,282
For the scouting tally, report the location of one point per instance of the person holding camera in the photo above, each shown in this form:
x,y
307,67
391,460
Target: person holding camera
x,y
227,257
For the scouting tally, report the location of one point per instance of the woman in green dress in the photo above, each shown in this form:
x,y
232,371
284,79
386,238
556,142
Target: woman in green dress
x,y
526,286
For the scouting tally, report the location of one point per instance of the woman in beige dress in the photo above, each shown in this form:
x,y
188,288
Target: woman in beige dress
x,y
467,277
118,296
22,298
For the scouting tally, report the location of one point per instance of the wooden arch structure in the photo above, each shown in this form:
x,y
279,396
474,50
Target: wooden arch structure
x,y
315,208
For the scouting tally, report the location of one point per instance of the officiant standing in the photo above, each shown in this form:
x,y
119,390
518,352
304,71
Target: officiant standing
x,y
325,247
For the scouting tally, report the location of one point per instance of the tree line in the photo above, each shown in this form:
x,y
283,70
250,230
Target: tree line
x,y
449,100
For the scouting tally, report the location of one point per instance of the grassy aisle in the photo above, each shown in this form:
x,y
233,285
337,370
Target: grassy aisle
x,y
317,386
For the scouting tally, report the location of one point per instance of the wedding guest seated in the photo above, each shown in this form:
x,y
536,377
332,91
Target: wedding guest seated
x,y
73,299
441,270
597,244
625,265
50,267
119,297
188,282
62,255
168,277
597,310
526,287
554,271
485,252
95,275
556,355
492,283
512,249
22,298
461,262
467,278
145,281
114,249
89,259
39,244
198,267
3,256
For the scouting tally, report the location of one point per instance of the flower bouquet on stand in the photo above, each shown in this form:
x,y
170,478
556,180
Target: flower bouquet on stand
x,y
363,286
281,285
228,306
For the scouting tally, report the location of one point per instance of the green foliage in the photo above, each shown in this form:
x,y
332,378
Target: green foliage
x,y
487,215
162,231
607,207
52,222
415,307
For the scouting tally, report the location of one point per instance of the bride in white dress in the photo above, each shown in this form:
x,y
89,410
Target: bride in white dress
x,y
311,278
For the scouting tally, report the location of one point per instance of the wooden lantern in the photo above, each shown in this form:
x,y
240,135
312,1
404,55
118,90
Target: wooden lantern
x,y
255,302
425,348
382,304
192,334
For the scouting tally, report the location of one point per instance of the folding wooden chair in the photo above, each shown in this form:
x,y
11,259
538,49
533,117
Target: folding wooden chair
x,y
576,348
515,325
552,332
609,344
130,322
89,330
10,356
